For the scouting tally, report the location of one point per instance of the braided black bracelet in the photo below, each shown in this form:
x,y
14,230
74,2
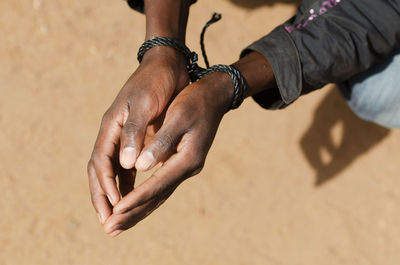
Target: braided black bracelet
x,y
191,57
163,41
194,70
239,84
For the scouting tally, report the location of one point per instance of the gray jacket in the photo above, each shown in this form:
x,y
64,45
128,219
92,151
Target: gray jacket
x,y
327,41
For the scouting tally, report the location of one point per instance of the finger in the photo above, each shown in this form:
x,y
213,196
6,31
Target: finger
x,y
179,167
99,198
153,128
132,137
155,125
162,145
126,180
120,222
104,156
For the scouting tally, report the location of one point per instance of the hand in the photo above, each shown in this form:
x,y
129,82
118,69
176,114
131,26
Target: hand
x,y
160,76
183,141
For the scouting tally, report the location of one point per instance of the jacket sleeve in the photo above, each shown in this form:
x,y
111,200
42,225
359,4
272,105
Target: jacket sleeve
x,y
138,5
327,42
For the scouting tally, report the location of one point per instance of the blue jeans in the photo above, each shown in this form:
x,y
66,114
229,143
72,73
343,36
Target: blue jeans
x,y
374,95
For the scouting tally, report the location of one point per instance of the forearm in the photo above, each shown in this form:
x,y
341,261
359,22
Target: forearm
x,y
166,18
257,72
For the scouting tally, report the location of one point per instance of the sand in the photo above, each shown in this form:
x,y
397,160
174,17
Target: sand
x,y
312,184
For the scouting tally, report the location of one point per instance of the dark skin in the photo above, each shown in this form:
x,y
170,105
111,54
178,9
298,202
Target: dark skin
x,y
161,118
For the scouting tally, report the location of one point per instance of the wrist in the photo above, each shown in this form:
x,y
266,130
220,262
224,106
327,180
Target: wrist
x,y
257,71
218,90
166,18
166,55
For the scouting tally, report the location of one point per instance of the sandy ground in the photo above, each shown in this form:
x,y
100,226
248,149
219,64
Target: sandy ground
x,y
312,184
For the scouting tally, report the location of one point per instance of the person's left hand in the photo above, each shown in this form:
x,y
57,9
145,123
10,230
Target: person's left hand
x,y
181,144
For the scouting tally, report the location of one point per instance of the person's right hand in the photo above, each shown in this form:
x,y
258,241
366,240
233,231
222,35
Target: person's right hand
x,y
161,75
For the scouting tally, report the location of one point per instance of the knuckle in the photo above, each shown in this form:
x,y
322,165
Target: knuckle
x,y
130,128
166,141
94,161
197,163
197,167
95,199
89,166
107,116
197,170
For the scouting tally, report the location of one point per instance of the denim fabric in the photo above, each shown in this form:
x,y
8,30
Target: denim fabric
x,y
375,94
327,41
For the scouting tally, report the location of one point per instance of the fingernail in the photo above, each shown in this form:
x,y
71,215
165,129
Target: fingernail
x,y
128,157
145,161
115,233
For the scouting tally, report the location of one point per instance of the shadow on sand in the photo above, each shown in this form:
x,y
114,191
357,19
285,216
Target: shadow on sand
x,y
327,156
